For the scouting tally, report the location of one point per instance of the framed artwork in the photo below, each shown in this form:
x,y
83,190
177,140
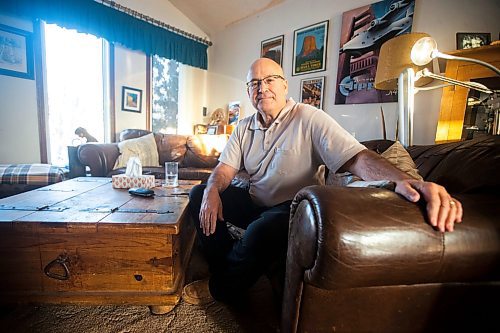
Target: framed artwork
x,y
16,52
272,48
309,48
469,40
131,99
234,112
362,34
311,91
212,129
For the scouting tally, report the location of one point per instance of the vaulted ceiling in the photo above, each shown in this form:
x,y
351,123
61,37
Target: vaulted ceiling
x,y
213,16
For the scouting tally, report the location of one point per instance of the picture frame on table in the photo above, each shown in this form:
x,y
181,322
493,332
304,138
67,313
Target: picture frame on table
x,y
212,129
469,40
131,99
311,91
16,56
272,48
309,48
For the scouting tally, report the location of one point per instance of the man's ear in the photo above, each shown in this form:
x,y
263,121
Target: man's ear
x,y
286,86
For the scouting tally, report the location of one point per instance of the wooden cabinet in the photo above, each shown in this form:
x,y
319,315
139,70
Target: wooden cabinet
x,y
454,98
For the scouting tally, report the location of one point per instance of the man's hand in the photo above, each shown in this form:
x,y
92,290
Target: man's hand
x,y
211,204
211,210
443,211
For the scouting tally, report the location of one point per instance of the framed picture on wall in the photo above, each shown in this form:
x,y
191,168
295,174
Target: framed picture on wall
x,y
16,52
362,33
311,91
234,112
309,48
131,99
272,48
469,40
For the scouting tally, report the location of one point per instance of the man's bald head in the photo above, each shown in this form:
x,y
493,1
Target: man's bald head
x,y
268,93
264,64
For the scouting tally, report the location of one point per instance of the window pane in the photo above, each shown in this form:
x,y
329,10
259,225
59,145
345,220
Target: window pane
x,y
74,89
165,95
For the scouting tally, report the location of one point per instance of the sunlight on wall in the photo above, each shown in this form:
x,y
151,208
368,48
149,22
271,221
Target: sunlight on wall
x,y
192,98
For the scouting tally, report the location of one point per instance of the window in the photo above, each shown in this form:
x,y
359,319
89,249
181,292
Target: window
x,y
76,84
165,89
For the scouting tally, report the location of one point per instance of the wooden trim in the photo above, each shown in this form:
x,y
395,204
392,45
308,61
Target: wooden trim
x,y
454,98
149,60
112,112
40,91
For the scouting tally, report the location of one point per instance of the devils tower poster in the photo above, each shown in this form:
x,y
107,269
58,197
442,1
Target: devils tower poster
x,y
309,49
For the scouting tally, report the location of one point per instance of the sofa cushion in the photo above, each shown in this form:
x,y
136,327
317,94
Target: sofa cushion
x,y
203,150
143,147
396,154
470,166
171,147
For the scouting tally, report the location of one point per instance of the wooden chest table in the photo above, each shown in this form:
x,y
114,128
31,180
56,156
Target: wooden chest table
x,y
81,241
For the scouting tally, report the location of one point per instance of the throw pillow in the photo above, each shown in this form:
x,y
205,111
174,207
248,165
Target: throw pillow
x,y
399,157
143,147
396,154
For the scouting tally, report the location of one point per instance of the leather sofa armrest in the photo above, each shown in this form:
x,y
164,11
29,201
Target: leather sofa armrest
x,y
100,157
342,237
375,231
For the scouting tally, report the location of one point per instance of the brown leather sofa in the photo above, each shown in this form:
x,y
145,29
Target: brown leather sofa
x,y
194,163
366,260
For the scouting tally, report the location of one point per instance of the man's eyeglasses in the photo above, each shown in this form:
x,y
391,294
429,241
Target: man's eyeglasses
x,y
268,80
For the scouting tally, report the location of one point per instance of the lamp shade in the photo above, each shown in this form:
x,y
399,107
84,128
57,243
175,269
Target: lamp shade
x,y
394,57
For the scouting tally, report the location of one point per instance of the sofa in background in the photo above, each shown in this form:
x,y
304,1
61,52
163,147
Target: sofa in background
x,y
196,159
366,260
19,178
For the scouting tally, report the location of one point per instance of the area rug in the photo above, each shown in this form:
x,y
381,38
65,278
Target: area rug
x,y
258,314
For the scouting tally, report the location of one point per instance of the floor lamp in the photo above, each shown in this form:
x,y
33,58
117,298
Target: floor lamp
x,y
404,64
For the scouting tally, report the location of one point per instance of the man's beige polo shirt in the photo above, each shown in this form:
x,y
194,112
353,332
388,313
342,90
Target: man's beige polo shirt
x,y
285,157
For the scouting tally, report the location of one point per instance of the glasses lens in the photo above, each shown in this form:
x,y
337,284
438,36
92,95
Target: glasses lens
x,y
268,80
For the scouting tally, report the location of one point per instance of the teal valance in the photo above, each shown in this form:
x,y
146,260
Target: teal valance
x,y
115,26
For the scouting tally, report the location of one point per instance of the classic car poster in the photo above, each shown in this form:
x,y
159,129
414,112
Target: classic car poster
x,y
363,32
309,48
311,91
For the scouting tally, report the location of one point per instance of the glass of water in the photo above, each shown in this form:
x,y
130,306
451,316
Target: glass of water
x,y
171,174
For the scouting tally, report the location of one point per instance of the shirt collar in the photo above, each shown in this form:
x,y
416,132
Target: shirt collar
x,y
256,124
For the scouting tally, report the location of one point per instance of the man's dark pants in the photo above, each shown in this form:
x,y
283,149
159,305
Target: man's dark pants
x,y
235,265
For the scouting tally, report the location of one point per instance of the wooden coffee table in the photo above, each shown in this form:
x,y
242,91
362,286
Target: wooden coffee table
x,y
82,242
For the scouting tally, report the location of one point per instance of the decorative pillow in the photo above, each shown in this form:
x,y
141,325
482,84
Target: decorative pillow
x,y
143,147
399,157
396,154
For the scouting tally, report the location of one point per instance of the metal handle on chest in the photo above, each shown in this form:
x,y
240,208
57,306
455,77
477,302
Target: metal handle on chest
x,y
61,260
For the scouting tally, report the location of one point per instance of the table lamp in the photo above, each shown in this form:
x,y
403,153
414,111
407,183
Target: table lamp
x,y
404,64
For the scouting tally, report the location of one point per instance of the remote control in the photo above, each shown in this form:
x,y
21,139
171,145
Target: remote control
x,y
141,191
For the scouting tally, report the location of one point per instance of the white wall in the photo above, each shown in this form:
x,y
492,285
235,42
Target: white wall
x,y
238,46
130,69
18,112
